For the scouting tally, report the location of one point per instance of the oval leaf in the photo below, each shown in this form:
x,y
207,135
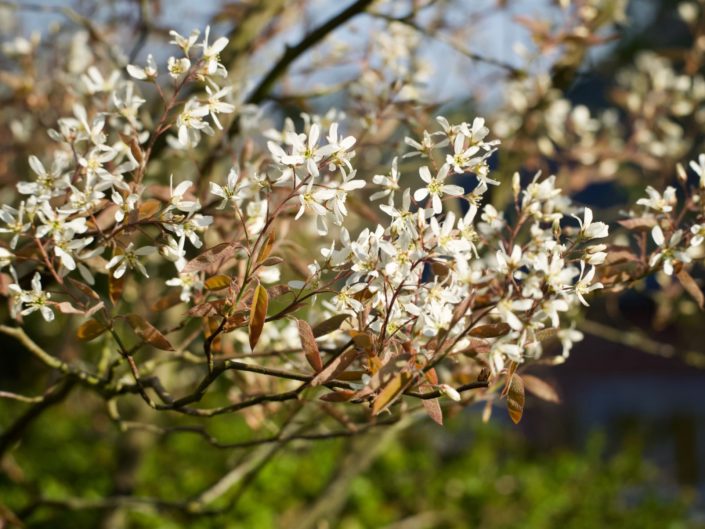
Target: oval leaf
x,y
340,395
362,340
258,313
149,208
331,324
515,398
491,330
89,330
541,388
171,299
691,287
218,282
148,332
217,254
433,409
115,288
309,345
266,250
65,307
335,367
391,391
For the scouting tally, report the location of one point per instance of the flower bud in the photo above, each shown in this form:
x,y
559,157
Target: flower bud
x,y
450,392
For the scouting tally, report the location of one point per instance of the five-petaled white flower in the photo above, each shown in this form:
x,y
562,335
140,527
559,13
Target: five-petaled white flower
x,y
661,203
668,252
129,258
35,299
230,192
591,230
211,54
585,284
436,187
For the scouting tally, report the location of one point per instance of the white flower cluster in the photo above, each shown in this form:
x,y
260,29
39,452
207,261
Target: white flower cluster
x,y
429,277
91,199
446,272
675,246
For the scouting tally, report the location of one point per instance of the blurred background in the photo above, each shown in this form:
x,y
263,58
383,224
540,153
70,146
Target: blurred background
x,y
625,445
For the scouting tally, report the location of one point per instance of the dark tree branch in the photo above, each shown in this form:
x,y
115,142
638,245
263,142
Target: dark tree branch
x,y
294,52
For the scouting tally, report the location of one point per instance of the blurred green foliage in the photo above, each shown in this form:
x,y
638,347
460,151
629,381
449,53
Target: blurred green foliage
x,y
467,475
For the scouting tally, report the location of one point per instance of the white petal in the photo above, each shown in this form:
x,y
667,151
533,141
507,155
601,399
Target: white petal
x,y
657,235
420,194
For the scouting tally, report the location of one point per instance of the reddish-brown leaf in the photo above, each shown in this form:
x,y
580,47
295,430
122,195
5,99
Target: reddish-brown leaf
x,y
134,145
271,261
172,299
89,330
218,282
266,249
236,320
396,385
5,282
515,398
258,313
216,254
115,288
65,307
339,395
491,330
309,345
351,376
148,332
363,340
331,324
433,408
540,388
278,291
209,308
85,289
149,208
691,287
432,376
335,367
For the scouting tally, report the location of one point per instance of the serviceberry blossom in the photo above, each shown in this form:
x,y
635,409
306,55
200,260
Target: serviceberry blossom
x,y
662,203
431,282
146,73
436,187
231,192
191,124
668,254
592,230
33,300
129,258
